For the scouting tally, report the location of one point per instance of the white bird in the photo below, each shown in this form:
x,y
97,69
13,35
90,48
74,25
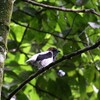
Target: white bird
x,y
43,59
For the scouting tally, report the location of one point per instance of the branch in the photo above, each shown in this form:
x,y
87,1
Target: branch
x,y
23,25
92,11
39,72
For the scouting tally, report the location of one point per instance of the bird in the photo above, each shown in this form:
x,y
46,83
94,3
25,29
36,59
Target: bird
x,y
43,59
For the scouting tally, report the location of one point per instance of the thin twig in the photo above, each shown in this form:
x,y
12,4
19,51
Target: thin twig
x,y
47,92
23,36
71,26
26,55
36,29
41,71
44,32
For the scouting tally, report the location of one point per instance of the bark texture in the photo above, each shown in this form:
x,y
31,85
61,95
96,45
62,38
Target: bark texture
x,y
6,7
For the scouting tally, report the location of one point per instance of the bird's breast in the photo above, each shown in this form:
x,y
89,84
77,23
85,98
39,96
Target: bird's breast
x,y
46,62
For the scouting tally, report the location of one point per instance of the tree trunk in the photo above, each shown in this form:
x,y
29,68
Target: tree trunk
x,y
6,7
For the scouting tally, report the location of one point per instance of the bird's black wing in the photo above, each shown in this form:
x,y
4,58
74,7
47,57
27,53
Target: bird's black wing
x,y
44,56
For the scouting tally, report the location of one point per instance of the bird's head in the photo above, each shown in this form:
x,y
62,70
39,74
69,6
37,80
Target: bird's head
x,y
54,50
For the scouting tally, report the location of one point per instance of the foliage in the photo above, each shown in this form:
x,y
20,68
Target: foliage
x,y
33,29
